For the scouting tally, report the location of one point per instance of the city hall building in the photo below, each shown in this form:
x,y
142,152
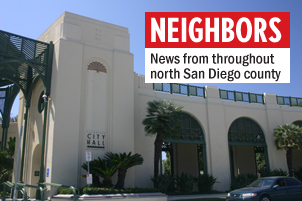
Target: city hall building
x,y
79,93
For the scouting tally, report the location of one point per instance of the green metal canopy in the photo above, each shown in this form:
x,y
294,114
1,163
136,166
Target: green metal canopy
x,y
22,60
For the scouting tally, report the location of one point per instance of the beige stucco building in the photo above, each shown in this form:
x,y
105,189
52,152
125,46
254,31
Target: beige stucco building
x,y
97,103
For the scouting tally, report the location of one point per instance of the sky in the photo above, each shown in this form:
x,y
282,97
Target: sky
x,y
31,18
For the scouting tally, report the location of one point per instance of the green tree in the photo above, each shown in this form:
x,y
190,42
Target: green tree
x,y
163,120
288,138
167,163
7,159
260,162
123,162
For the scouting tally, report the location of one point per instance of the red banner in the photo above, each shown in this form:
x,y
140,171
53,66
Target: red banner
x,y
217,30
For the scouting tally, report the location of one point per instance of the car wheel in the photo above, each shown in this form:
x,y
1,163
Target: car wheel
x,y
265,198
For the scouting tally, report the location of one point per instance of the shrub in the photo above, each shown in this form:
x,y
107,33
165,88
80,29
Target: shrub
x,y
185,182
165,183
6,195
275,172
242,180
67,191
298,173
278,172
206,182
264,173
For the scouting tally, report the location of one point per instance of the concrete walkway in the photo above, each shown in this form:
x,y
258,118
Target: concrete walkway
x,y
169,198
183,197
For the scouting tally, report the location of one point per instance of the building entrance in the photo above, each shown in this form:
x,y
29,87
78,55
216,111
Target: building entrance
x,y
247,146
188,153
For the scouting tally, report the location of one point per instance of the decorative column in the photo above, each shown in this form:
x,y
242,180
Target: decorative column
x,y
41,180
24,142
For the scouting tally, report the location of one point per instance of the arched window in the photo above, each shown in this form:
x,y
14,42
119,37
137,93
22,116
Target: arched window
x,y
247,145
192,139
191,129
245,131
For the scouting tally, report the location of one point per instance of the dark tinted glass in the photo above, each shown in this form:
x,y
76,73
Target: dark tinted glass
x,y
262,183
280,182
292,182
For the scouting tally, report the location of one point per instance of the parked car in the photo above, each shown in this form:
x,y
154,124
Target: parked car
x,y
269,189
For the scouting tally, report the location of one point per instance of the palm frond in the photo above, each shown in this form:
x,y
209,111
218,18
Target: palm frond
x,y
288,136
124,160
101,167
162,116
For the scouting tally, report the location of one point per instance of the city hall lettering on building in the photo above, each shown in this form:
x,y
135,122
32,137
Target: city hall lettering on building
x,y
96,140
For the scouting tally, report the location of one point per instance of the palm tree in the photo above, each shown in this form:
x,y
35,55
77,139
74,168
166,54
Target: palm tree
x,y
106,171
163,120
288,138
123,161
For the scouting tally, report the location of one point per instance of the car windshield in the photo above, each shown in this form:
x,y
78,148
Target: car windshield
x,y
262,183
